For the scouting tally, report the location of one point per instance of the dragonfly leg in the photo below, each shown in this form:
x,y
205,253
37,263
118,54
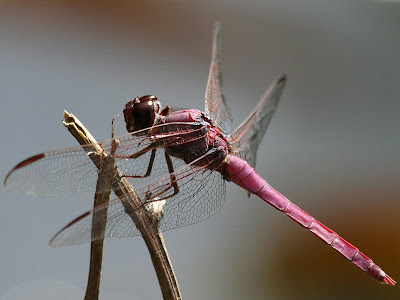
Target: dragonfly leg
x,y
174,183
149,168
136,155
139,153
171,173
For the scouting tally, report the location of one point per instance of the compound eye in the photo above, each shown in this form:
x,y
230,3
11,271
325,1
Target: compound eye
x,y
128,114
151,101
140,113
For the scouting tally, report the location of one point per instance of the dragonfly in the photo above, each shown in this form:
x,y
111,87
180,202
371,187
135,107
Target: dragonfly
x,y
180,159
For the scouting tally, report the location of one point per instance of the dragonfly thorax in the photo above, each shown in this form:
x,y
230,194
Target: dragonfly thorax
x,y
141,113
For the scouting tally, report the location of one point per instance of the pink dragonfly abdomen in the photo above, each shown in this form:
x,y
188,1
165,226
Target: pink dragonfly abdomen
x,y
241,173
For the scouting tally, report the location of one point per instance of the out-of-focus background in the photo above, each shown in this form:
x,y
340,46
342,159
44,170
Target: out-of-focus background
x,y
332,148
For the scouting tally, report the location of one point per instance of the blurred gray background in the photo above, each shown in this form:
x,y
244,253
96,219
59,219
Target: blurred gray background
x,y
332,148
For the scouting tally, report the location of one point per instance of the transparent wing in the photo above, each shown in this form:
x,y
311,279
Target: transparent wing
x,y
70,171
201,194
248,136
215,103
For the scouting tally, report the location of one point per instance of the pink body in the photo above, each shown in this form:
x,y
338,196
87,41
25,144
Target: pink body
x,y
245,176
186,115
241,173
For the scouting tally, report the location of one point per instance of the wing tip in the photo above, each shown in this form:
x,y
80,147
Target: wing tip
x,y
282,78
22,164
54,243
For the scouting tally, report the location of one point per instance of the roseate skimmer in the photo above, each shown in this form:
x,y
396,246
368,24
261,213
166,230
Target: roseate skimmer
x,y
179,159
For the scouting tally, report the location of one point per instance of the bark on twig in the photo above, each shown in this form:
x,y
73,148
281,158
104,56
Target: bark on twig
x,y
107,164
142,218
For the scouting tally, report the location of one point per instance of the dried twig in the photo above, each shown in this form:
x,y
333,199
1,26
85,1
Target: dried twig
x,y
145,220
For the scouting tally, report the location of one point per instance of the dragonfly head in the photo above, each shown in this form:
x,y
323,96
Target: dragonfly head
x,y
141,113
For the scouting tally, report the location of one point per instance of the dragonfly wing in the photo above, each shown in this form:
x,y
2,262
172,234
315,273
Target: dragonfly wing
x,y
215,103
79,231
55,173
201,194
248,136
70,171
